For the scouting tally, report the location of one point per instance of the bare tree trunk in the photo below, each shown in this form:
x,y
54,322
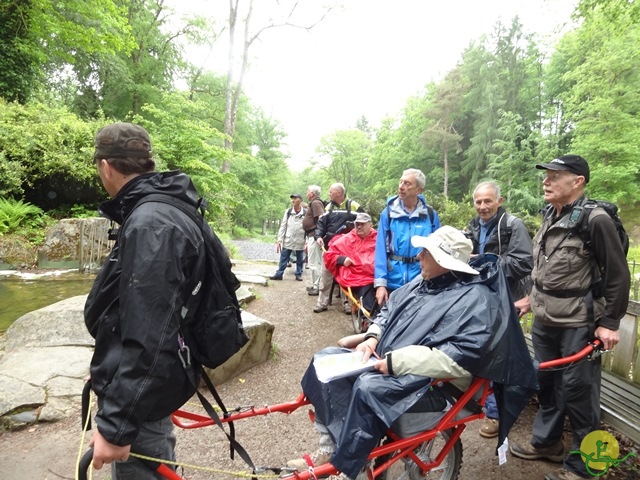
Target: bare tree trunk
x,y
234,89
445,187
229,123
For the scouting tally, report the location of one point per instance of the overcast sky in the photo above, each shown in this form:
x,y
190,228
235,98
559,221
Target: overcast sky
x,y
368,58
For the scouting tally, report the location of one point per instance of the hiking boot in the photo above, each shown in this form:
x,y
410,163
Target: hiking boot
x,y
319,309
313,292
275,277
299,278
311,288
554,453
562,474
489,428
340,476
315,459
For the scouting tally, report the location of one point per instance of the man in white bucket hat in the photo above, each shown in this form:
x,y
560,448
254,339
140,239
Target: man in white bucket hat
x,y
454,321
450,250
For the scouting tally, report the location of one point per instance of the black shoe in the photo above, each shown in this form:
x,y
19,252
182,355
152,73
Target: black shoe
x,y
319,309
299,278
275,277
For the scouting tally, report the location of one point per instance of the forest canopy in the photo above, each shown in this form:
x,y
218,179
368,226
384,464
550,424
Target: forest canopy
x,y
71,66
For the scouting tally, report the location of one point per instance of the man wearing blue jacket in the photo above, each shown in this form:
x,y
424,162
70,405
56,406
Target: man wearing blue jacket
x,y
406,214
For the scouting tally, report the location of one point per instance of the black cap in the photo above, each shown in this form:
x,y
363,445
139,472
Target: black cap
x,y
570,163
295,195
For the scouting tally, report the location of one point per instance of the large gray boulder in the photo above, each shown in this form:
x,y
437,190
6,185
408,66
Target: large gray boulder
x,y
45,356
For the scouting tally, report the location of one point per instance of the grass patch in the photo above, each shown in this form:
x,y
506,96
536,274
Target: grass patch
x,y
274,352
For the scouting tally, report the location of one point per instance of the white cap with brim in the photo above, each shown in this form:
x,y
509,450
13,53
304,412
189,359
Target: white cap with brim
x,y
449,248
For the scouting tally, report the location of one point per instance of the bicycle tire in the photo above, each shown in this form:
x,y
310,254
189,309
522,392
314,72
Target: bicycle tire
x,y
449,469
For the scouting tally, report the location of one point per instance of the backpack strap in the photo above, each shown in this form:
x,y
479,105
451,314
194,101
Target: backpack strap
x,y
507,230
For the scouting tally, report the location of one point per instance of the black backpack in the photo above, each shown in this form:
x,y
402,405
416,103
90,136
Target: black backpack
x,y
612,210
213,329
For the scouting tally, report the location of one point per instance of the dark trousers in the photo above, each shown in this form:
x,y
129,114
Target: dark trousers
x,y
573,391
155,439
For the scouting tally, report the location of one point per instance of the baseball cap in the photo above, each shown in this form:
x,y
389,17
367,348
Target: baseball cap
x,y
295,195
120,140
449,247
570,163
362,218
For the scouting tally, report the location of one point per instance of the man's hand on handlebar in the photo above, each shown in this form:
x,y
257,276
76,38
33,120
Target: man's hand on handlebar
x,y
609,338
105,452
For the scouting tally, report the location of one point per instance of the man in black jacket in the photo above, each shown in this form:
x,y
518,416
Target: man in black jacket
x,y
496,231
338,214
134,308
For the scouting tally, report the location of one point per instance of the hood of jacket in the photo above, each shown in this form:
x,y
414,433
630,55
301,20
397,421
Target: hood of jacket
x,y
174,183
396,210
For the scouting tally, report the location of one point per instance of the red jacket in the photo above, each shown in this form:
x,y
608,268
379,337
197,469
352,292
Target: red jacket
x,y
360,250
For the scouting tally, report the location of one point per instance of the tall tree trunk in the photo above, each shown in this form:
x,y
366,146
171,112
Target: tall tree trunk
x,y
229,116
445,187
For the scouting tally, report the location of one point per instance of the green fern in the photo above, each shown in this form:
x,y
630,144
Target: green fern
x,y
14,213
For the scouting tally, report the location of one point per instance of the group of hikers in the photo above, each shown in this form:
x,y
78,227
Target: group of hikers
x,y
448,303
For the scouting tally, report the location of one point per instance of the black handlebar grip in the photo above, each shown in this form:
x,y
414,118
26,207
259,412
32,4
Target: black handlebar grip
x,y
85,464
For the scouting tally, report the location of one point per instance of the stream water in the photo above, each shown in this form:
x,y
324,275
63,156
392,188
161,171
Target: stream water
x,y
19,295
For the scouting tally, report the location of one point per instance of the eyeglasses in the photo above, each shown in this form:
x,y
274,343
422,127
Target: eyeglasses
x,y
554,176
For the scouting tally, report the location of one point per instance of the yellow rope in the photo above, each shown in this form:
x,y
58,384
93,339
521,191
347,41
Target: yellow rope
x,y
199,405
205,469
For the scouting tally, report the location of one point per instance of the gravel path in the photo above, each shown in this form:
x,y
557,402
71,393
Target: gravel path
x,y
250,250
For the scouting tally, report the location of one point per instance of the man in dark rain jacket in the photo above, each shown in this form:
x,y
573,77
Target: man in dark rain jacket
x,y
134,308
456,321
496,231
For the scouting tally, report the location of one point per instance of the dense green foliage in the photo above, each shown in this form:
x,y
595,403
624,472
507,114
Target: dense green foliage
x,y
71,66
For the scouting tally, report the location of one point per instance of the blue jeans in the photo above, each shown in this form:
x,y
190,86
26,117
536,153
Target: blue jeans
x,y
491,407
285,255
155,439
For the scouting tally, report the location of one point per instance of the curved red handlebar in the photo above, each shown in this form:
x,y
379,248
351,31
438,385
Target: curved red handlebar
x,y
592,347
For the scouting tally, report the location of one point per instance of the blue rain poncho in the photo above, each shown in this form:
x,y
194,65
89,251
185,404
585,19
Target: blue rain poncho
x,y
470,318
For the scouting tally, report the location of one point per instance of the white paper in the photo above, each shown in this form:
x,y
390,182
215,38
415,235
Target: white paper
x,y
502,452
341,365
